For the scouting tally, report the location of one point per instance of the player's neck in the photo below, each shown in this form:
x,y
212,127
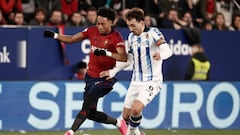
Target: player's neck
x,y
108,32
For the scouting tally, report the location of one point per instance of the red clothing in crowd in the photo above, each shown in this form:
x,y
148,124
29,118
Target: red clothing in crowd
x,y
210,6
69,7
8,6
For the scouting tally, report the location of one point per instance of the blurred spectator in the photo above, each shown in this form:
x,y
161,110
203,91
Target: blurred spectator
x,y
28,9
219,22
134,3
191,6
198,67
116,5
48,5
91,16
185,6
166,5
235,23
18,19
81,69
207,9
226,7
207,25
8,8
187,17
149,20
56,18
172,20
98,3
83,5
2,19
39,18
120,20
76,20
191,32
151,7
68,8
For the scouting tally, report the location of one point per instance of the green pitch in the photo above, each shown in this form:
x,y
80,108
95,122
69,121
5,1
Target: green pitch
x,y
115,132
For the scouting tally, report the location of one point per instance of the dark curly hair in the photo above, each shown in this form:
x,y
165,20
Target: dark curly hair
x,y
106,12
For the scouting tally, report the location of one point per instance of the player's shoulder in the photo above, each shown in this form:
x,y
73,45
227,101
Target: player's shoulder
x,y
116,35
154,31
92,28
130,36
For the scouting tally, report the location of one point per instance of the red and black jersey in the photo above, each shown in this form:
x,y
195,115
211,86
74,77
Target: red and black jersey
x,y
110,42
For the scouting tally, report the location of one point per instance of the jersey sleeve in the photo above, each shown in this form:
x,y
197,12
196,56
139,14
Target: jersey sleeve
x,y
119,41
86,32
157,36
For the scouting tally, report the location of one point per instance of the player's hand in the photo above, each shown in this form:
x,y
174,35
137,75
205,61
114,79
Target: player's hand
x,y
101,52
156,56
49,34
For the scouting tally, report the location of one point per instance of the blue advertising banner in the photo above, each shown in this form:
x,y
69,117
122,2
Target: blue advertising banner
x,y
13,47
53,105
45,57
223,51
26,55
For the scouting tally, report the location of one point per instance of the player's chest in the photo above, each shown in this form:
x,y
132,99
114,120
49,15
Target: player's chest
x,y
143,41
102,41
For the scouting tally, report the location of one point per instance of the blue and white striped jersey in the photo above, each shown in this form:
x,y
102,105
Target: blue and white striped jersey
x,y
142,47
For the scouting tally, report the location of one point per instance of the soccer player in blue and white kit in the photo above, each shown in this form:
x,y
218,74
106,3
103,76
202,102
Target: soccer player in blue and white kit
x,y
147,49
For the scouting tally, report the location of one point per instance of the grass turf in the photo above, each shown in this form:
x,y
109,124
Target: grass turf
x,y
115,132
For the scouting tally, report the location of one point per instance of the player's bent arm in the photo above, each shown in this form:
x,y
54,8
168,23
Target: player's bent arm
x,y
120,66
120,55
165,51
70,38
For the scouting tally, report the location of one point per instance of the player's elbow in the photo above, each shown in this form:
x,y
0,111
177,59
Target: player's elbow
x,y
71,40
123,58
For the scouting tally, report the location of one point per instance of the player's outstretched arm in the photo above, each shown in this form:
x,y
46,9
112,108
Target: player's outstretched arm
x,y
119,66
63,38
121,54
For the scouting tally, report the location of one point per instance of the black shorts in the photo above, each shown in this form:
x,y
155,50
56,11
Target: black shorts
x,y
98,87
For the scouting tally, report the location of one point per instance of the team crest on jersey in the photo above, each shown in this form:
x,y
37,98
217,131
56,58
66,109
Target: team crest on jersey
x,y
147,36
105,42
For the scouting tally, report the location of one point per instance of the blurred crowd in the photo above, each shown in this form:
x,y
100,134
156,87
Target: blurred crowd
x,y
171,14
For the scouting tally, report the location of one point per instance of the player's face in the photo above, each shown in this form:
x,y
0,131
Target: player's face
x,y
104,25
136,27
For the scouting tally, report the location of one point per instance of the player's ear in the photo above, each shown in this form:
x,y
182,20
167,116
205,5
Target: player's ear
x,y
110,22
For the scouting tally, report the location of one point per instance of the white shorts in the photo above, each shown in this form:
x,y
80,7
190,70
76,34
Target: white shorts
x,y
142,91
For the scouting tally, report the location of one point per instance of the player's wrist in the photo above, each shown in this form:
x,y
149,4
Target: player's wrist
x,y
112,72
50,34
55,36
108,53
